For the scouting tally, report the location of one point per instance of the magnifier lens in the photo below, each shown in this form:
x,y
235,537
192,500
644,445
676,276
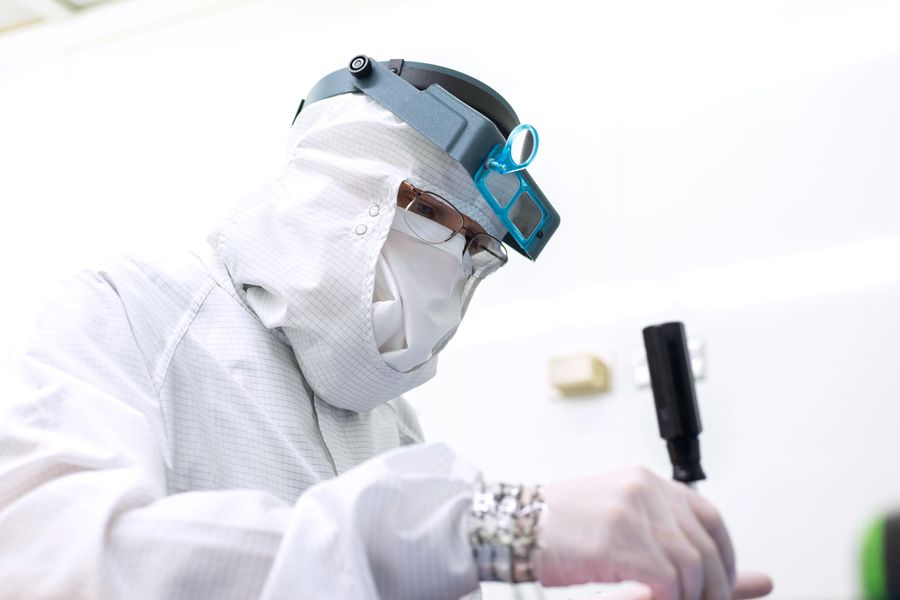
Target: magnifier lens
x,y
525,214
502,187
522,147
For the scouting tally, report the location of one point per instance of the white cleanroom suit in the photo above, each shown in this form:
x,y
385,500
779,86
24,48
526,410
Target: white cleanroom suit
x,y
218,424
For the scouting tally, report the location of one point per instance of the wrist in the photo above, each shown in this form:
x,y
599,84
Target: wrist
x,y
504,528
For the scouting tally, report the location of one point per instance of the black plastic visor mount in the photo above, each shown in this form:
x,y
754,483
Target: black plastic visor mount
x,y
458,113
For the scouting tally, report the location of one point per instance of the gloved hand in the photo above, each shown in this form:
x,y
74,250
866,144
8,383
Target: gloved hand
x,y
634,525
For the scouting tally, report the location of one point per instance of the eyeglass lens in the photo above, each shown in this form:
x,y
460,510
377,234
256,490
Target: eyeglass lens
x,y
436,210
442,221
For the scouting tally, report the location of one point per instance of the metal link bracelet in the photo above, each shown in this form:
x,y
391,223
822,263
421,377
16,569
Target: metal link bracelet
x,y
503,530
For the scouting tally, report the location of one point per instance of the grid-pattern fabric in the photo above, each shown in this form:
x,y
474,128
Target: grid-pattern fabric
x,y
162,438
158,442
305,248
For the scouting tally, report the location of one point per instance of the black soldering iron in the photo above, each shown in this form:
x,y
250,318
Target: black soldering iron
x,y
672,380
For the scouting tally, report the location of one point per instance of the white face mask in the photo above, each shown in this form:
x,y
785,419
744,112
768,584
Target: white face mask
x,y
420,294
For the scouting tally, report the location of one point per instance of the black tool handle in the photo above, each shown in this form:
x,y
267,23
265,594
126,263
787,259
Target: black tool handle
x,y
672,380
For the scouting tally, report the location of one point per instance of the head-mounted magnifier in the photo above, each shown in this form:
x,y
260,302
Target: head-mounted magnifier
x,y
470,122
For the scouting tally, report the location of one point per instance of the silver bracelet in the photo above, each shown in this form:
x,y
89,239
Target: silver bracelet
x,y
504,524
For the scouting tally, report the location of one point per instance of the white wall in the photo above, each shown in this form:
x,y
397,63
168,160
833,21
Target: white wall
x,y
732,165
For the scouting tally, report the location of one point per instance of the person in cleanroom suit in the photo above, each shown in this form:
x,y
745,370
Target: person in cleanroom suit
x,y
228,423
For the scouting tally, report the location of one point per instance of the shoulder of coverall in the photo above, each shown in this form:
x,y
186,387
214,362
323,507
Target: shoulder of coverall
x,y
157,298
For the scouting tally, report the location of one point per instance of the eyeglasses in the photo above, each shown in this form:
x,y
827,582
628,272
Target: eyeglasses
x,y
442,221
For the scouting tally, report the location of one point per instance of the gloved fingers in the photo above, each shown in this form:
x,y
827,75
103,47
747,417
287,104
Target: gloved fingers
x,y
662,511
752,585
716,586
665,584
749,585
629,590
715,582
688,561
712,521
649,562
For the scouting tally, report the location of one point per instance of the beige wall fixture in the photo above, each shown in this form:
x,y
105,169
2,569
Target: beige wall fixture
x,y
579,374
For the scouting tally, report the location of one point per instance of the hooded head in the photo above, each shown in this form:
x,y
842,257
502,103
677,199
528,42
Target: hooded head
x,y
303,251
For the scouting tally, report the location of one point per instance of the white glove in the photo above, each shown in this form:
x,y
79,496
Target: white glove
x,y
634,525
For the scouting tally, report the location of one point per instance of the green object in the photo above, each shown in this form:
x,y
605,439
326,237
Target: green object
x,y
874,577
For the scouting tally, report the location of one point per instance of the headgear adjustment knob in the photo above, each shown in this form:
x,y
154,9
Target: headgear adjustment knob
x,y
360,66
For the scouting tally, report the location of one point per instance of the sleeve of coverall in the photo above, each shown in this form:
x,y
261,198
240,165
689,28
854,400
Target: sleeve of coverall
x,y
84,511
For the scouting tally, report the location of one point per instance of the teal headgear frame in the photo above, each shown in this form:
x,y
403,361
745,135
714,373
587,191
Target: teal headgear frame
x,y
473,124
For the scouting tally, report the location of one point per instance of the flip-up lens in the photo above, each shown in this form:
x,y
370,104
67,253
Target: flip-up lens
x,y
502,187
525,214
523,145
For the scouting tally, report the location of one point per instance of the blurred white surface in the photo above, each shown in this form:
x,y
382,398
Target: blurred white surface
x,y
728,164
